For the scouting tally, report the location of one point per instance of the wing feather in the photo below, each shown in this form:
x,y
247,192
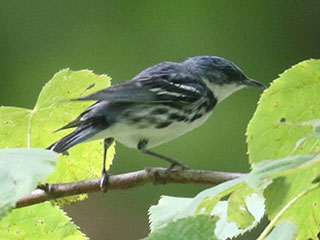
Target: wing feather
x,y
164,82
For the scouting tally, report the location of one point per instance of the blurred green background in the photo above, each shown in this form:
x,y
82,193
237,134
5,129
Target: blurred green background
x,y
121,38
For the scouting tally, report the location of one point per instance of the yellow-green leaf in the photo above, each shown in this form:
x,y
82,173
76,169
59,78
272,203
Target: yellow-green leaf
x,y
35,127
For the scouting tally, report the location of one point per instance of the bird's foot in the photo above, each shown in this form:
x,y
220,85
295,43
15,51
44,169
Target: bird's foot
x,y
104,181
45,187
176,163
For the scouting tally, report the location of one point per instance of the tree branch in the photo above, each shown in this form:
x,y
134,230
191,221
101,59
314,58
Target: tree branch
x,y
127,180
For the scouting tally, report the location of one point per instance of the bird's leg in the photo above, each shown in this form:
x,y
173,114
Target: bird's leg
x,y
142,147
105,175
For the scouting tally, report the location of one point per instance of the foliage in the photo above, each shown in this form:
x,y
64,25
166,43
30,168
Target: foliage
x,y
34,128
284,230
293,99
196,227
42,221
21,127
18,176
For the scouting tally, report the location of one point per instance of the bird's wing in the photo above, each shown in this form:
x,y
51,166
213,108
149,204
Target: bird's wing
x,y
154,88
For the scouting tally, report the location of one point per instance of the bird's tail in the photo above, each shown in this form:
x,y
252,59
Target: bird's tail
x,y
79,135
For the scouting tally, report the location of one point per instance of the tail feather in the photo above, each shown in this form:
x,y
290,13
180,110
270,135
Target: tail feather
x,y
81,134
74,123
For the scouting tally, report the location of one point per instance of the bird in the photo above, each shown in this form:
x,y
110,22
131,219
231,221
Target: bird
x,y
161,103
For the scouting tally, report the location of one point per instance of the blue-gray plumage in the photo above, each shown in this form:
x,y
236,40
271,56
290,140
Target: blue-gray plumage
x,y
161,103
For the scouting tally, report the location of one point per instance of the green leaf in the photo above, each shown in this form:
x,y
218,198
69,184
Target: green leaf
x,y
284,230
315,132
264,172
316,127
173,209
244,208
194,228
203,203
34,128
273,133
14,127
41,221
276,125
304,212
230,224
166,210
20,172
316,179
238,210
54,111
206,200
280,175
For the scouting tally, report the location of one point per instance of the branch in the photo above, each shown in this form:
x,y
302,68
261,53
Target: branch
x,y
127,180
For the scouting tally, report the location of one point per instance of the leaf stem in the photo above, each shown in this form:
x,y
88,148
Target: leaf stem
x,y
29,127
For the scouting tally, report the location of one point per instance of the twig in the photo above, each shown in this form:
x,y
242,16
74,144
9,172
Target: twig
x,y
127,180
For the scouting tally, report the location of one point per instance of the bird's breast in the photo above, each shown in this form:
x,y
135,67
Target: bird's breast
x,y
130,136
157,125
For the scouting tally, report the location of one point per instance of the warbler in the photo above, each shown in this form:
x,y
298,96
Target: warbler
x,y
161,103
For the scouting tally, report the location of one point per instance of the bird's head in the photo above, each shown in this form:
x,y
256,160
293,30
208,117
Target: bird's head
x,y
220,75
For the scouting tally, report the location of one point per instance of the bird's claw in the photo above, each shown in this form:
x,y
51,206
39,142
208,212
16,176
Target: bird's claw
x,y
181,165
45,187
104,181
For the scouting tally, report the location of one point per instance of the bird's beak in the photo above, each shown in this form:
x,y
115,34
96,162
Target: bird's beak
x,y
253,83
